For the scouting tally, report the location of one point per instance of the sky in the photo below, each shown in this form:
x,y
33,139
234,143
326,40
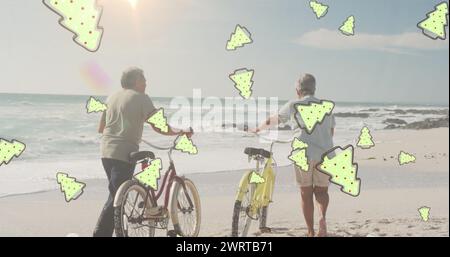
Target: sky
x,y
181,46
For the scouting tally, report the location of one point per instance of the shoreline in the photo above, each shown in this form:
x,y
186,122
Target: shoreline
x,y
387,205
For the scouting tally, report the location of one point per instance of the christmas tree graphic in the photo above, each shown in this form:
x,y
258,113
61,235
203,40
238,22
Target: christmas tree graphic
x,y
9,150
434,26
405,158
318,8
424,213
184,144
80,17
71,188
300,159
298,154
159,121
342,170
150,175
243,82
93,105
240,37
348,27
365,139
298,144
312,114
255,178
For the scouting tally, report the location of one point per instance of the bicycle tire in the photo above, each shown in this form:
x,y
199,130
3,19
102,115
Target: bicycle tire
x,y
238,210
263,217
176,192
121,196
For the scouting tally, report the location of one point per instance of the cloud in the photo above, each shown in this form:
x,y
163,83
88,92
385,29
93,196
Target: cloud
x,y
400,43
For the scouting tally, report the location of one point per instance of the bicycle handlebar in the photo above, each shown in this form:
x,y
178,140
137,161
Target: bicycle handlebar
x,y
167,148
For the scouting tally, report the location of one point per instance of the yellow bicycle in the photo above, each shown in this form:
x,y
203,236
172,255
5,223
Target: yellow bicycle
x,y
253,199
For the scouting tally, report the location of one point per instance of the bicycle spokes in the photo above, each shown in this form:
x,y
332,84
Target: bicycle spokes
x,y
133,215
186,212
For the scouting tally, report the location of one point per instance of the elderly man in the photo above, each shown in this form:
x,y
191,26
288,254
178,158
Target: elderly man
x,y
122,125
313,182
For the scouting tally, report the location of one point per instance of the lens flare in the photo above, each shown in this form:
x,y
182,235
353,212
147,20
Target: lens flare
x,y
133,3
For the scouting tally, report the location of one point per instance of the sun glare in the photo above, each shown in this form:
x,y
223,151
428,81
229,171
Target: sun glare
x,y
133,3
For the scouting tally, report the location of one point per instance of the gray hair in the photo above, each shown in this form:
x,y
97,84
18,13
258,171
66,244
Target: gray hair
x,y
307,84
130,76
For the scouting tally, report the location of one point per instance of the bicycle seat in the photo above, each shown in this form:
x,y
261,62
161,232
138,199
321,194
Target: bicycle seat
x,y
257,151
138,156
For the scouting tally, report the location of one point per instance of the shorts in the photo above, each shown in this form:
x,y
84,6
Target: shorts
x,y
313,177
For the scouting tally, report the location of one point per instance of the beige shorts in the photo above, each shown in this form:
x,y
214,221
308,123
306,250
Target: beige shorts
x,y
313,177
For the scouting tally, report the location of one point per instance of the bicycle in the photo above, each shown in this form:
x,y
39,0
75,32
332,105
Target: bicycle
x,y
252,200
136,209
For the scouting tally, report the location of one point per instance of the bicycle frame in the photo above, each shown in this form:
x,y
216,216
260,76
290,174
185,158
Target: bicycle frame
x,y
262,193
169,177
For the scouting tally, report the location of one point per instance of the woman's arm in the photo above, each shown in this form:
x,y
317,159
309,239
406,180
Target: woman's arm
x,y
270,122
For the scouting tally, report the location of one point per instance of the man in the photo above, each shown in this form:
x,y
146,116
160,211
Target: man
x,y
122,125
313,182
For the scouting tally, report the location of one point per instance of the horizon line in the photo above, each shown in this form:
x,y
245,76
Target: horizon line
x,y
440,104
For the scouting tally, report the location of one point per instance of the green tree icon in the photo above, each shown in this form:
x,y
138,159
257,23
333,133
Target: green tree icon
x,y
318,8
342,170
159,121
240,37
71,188
150,175
348,28
435,25
365,139
185,145
243,82
9,150
80,17
94,105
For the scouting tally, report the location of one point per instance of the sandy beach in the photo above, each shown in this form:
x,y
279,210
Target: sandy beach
x,y
387,206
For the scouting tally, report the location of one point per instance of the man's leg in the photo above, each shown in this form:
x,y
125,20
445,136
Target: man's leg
x,y
321,183
118,172
322,198
305,181
308,208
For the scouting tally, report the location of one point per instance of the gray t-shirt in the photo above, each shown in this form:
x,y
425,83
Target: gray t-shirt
x,y
321,139
127,111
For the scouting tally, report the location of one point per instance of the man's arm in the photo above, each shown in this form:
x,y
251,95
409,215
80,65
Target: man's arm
x,y
102,124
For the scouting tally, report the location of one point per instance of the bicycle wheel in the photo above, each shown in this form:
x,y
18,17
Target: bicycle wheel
x,y
263,218
241,221
186,219
129,215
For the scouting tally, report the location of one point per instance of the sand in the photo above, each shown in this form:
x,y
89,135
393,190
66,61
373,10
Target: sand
x,y
387,206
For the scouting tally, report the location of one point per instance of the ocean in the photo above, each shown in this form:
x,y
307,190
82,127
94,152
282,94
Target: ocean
x,y
61,136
